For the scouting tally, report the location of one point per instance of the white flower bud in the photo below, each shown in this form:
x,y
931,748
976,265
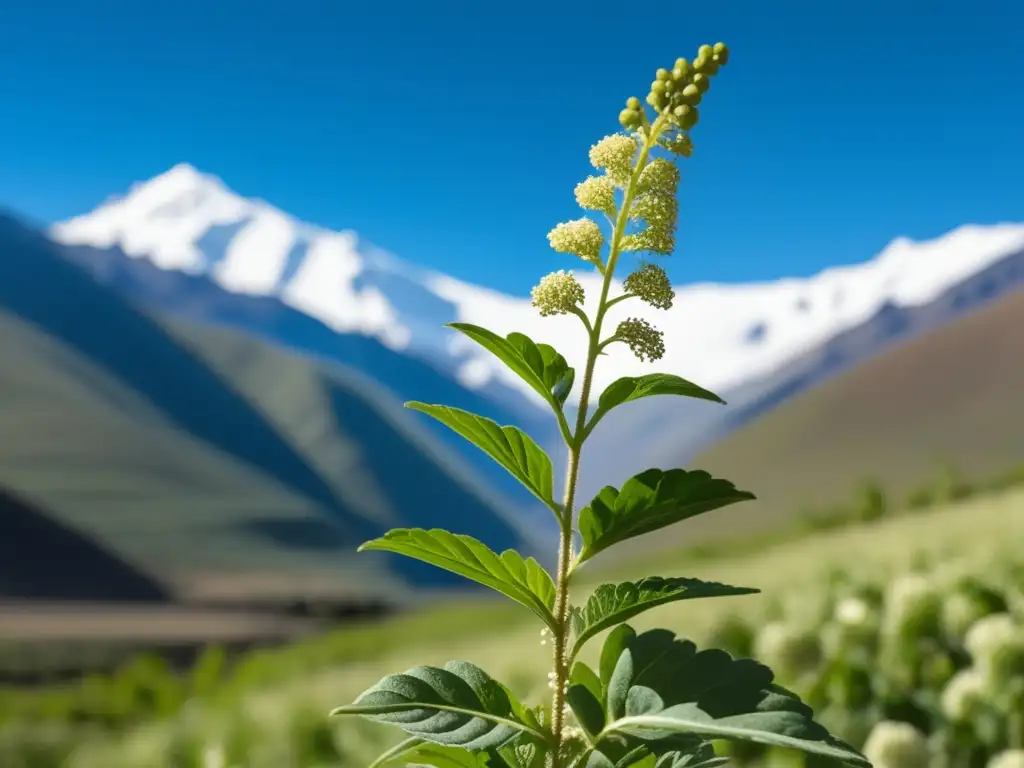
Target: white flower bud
x,y
893,744
963,694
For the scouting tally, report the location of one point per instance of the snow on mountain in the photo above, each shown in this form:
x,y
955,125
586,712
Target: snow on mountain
x,y
721,336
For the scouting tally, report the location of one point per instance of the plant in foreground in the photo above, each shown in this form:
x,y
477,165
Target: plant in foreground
x,y
655,700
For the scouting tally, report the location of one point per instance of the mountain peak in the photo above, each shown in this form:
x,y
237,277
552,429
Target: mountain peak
x,y
186,220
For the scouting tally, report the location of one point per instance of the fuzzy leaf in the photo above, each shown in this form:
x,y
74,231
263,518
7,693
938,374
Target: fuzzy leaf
x,y
630,388
458,705
522,579
509,446
539,365
651,500
612,604
522,753
663,687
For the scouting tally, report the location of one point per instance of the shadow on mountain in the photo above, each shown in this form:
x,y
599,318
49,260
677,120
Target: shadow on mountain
x,y
36,285
198,300
43,559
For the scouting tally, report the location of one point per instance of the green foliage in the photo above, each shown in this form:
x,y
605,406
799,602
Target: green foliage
x,y
631,388
514,576
655,701
512,448
651,500
539,365
612,604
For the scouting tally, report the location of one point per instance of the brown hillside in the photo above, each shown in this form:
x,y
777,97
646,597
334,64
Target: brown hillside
x,y
955,393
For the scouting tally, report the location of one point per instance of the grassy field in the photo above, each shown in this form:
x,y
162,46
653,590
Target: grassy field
x,y
285,709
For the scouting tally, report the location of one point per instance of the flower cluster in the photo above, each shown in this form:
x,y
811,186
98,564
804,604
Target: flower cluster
x,y
557,293
645,341
614,155
597,193
650,284
580,237
788,649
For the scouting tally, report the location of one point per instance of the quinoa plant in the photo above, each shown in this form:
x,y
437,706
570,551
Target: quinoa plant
x,y
654,700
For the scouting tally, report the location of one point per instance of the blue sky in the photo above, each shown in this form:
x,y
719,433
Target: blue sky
x,y
452,133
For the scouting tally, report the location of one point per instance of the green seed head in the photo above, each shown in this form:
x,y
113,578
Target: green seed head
x,y
663,74
691,95
633,103
702,81
706,66
690,119
705,52
650,284
720,49
645,341
658,87
629,118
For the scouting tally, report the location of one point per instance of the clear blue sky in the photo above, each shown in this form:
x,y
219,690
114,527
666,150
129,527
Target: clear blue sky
x,y
452,133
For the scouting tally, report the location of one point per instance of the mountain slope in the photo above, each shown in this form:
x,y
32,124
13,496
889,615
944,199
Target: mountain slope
x,y
186,244
955,393
209,460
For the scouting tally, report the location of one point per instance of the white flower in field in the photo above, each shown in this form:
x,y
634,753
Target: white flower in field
x,y
1010,758
912,604
963,694
852,612
893,744
990,634
788,649
960,611
214,756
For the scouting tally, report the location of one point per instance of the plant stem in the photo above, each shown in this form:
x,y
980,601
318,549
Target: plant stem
x,y
559,661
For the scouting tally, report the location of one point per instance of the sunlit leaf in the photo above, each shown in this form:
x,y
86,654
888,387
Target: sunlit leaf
x,y
539,365
662,687
649,501
458,705
509,446
522,579
631,388
611,604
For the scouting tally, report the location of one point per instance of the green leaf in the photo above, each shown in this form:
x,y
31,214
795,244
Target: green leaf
x,y
415,753
539,365
524,753
651,500
612,604
664,687
522,579
631,388
458,705
509,446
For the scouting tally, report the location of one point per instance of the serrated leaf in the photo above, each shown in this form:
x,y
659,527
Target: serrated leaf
x,y
523,754
630,388
509,446
663,687
458,705
612,604
651,500
522,579
539,365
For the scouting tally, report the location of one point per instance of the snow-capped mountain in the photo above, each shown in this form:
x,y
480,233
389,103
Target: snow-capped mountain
x,y
719,335
742,341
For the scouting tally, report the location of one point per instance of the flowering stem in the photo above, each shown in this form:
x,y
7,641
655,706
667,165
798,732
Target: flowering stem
x,y
561,635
